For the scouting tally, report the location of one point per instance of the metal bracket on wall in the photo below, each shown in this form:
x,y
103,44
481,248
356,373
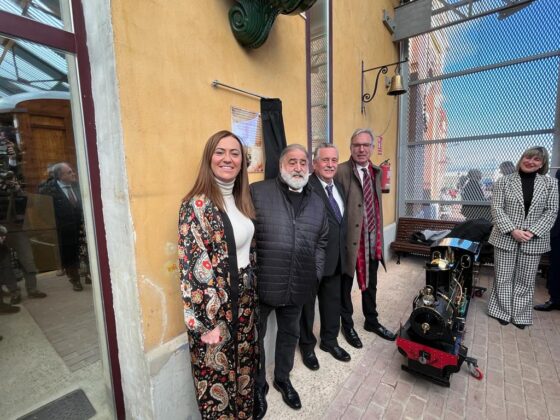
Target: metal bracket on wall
x,y
252,20
217,83
389,22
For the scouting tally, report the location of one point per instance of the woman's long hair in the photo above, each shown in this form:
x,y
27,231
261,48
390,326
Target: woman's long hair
x,y
206,184
539,151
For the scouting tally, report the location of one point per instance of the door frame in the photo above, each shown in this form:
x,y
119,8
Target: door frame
x,y
75,43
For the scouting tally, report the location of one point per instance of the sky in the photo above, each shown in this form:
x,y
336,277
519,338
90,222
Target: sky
x,y
516,98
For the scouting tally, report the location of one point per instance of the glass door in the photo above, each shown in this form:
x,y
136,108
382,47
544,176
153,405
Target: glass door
x,y
55,359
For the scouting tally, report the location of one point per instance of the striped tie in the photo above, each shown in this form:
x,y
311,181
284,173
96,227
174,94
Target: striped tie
x,y
71,196
368,200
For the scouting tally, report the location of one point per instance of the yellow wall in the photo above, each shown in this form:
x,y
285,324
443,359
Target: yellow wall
x,y
166,58
359,34
167,54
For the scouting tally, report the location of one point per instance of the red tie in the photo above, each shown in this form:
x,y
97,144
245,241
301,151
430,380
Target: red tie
x,y
71,196
368,200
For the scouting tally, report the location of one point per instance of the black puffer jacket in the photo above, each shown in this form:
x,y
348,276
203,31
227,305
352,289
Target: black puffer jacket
x,y
290,247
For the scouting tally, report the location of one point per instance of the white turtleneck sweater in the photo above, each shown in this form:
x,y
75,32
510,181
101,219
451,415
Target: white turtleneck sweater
x,y
243,227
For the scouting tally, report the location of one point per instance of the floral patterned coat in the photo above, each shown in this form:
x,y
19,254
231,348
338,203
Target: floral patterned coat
x,y
214,295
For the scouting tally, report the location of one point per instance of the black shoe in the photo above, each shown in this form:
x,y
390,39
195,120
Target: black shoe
x,y
15,297
547,306
77,286
520,326
260,406
501,321
381,331
289,394
337,352
8,309
309,359
352,337
87,280
36,294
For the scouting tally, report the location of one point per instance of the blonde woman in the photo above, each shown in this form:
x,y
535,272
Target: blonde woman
x,y
524,207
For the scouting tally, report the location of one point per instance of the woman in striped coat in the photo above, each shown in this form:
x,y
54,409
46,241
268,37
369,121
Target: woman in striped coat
x,y
524,207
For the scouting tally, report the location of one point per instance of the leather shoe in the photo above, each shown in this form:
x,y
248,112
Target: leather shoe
x,y
352,337
77,286
310,360
547,306
289,394
8,309
337,352
260,405
36,294
381,331
520,326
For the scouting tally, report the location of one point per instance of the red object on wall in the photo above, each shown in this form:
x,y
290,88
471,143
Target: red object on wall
x,y
385,176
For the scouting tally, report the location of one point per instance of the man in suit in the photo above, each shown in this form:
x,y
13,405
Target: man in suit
x,y
553,281
325,163
68,214
361,181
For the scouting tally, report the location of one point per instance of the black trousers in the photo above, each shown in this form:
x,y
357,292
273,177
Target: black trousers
x,y
553,281
287,318
329,313
369,296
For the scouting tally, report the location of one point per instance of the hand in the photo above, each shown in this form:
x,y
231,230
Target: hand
x,y
521,235
212,337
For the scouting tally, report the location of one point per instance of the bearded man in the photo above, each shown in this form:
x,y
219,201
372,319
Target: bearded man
x,y
291,233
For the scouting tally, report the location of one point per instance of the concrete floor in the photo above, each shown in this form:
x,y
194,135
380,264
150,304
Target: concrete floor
x,y
521,367
50,348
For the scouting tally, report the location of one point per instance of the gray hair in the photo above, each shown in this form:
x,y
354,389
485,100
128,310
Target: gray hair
x,y
3,230
359,131
57,168
539,151
323,146
291,147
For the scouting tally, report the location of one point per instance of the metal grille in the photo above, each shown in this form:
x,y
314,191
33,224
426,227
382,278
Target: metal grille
x,y
319,94
480,93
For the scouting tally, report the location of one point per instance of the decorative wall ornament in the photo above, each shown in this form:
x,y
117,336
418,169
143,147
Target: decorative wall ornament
x,y
252,20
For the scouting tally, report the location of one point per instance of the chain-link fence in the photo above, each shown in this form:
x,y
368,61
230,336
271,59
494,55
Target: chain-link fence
x,y
480,93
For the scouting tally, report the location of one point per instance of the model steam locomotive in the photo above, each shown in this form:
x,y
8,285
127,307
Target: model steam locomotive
x,y
431,339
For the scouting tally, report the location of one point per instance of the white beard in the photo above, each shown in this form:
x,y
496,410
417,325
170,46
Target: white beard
x,y
296,181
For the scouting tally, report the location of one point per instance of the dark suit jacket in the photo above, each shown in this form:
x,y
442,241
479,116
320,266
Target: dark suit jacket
x,y
337,231
68,221
555,231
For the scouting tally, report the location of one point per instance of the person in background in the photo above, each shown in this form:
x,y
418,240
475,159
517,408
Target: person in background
x,y
7,276
218,283
524,208
507,167
67,203
13,207
553,279
292,234
361,181
330,192
472,191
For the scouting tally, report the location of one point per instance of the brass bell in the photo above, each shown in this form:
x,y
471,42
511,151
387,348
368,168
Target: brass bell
x,y
396,88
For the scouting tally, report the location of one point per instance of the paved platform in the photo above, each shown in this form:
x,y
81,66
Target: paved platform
x,y
50,348
521,367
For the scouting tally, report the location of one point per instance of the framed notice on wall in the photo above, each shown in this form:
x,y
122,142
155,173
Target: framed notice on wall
x,y
247,125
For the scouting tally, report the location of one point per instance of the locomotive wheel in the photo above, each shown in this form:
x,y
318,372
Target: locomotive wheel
x,y
475,372
478,374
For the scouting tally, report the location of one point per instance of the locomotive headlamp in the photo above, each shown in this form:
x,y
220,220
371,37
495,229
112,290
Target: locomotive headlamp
x,y
428,298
